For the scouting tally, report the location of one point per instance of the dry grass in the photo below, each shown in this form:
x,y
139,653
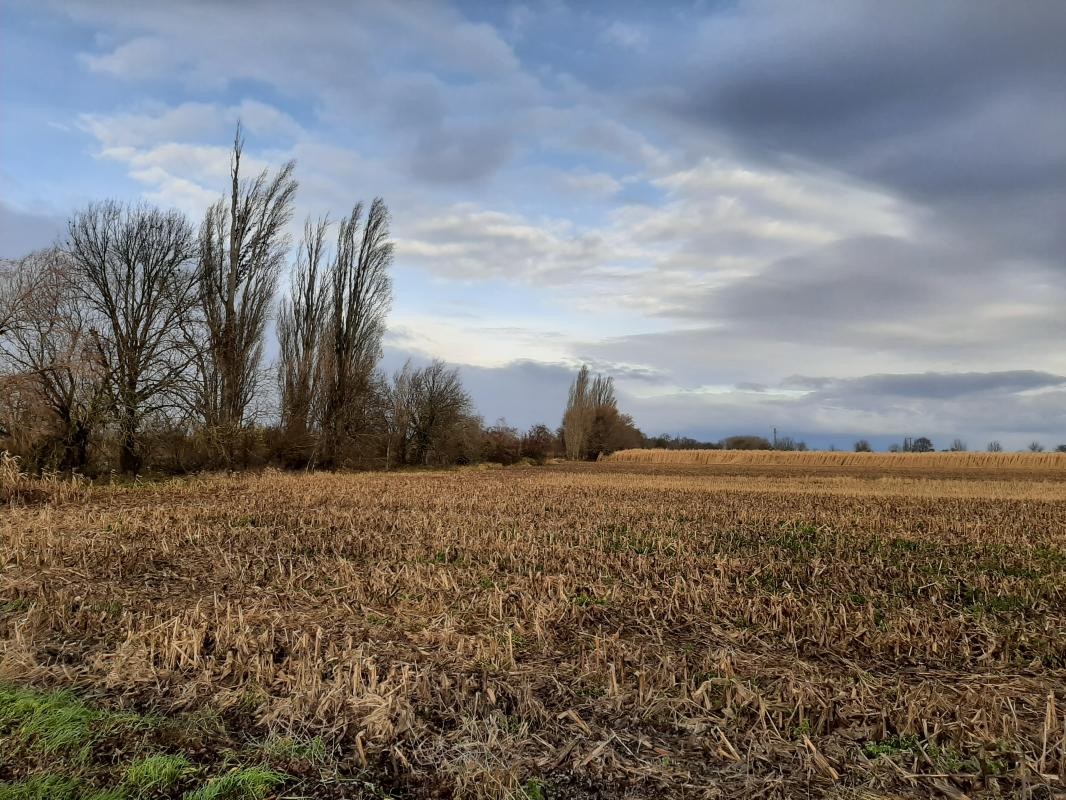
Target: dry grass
x,y
19,488
573,630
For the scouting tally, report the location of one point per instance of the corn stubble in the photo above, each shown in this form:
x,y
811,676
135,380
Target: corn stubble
x,y
574,630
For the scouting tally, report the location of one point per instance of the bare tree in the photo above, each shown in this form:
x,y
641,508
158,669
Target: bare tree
x,y
242,248
133,265
592,412
577,418
360,295
438,404
601,394
398,414
10,293
45,346
300,333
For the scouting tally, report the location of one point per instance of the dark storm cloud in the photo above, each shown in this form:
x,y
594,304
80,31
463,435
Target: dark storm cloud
x,y
847,281
912,298
524,392
935,99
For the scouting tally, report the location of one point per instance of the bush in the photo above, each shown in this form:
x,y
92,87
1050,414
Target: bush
x,y
539,444
746,443
501,444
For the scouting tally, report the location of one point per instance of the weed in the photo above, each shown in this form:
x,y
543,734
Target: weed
x,y
891,746
15,605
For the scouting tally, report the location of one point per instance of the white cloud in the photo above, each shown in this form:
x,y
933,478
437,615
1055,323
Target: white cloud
x,y
136,59
470,243
189,122
481,345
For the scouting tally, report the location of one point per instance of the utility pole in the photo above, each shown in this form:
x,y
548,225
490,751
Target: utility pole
x,y
774,429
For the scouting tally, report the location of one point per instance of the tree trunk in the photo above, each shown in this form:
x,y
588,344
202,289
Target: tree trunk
x,y
76,448
129,457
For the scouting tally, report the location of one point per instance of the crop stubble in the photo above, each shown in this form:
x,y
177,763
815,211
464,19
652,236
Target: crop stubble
x,y
613,628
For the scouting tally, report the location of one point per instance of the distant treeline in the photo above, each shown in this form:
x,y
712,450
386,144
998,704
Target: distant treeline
x,y
741,442
920,444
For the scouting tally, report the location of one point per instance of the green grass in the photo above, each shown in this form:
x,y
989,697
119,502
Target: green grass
x,y
50,724
584,600
250,783
56,787
79,744
289,748
155,773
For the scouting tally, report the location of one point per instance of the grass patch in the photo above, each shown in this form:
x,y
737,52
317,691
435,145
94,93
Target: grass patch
x,y
56,787
71,737
157,773
49,724
250,783
289,748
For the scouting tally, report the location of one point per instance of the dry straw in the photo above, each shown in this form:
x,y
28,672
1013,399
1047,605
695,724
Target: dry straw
x,y
592,628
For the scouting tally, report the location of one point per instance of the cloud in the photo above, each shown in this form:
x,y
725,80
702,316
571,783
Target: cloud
x,y
934,385
593,184
626,35
957,108
872,195
331,57
139,58
524,392
469,243
24,231
841,85
461,153
1015,407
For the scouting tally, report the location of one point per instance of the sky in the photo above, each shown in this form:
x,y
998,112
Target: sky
x,y
839,219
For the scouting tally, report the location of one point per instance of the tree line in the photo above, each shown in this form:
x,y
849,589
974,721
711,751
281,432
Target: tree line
x,y
137,343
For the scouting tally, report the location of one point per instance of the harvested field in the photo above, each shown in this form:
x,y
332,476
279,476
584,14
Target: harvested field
x,y
607,630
